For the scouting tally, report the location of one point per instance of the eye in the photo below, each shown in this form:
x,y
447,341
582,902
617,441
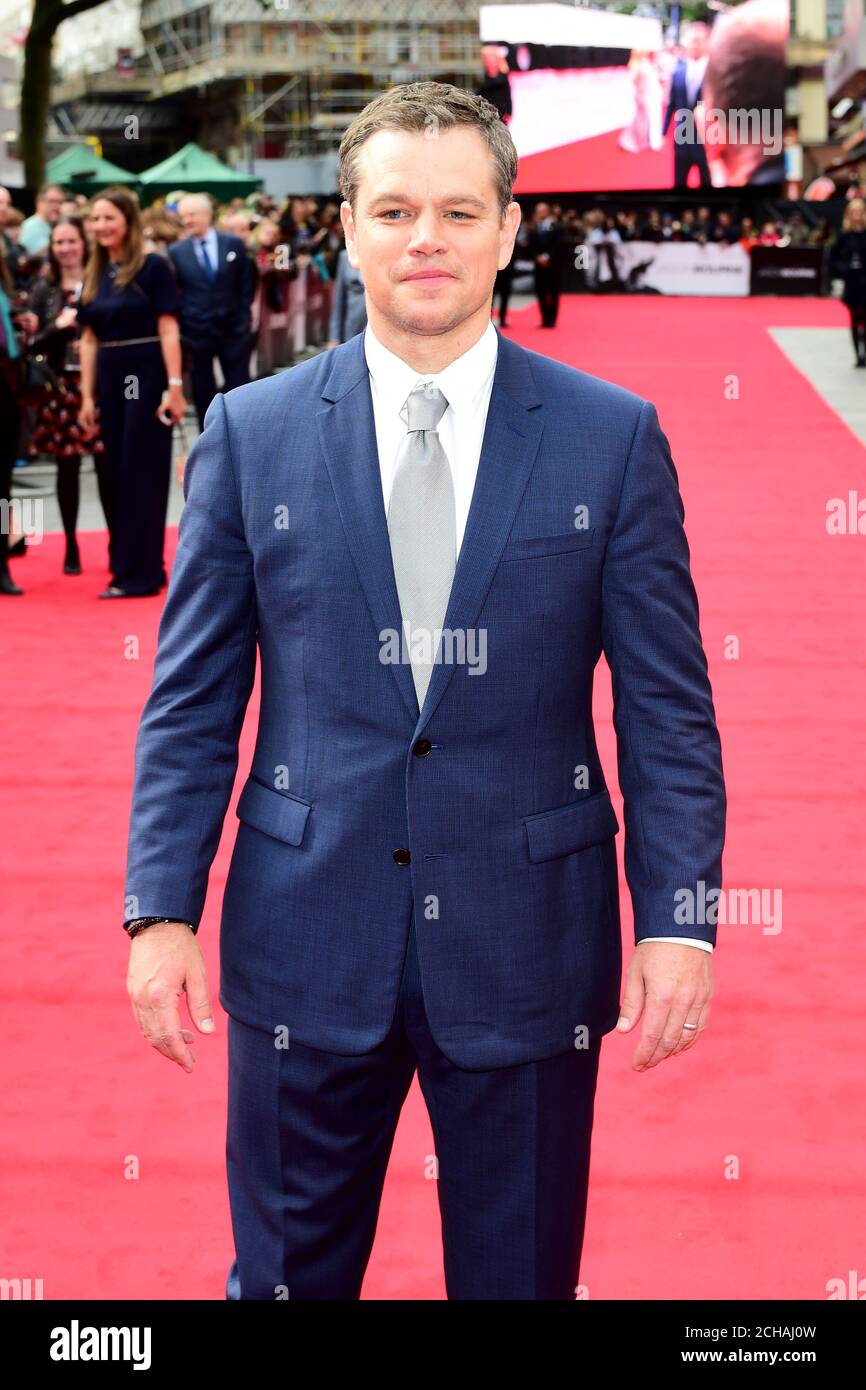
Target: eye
x,y
388,211
467,215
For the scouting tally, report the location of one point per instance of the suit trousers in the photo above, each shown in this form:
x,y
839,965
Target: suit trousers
x,y
232,350
310,1133
547,290
684,157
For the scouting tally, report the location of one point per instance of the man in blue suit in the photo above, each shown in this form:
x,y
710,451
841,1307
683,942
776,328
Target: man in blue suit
x,y
216,290
687,83
430,535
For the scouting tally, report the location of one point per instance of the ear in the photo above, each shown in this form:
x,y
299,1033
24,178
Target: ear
x,y
508,231
348,223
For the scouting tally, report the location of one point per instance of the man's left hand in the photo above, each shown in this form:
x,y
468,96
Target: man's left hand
x,y
671,985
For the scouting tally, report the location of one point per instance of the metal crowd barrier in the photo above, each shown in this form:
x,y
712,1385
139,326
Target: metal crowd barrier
x,y
290,316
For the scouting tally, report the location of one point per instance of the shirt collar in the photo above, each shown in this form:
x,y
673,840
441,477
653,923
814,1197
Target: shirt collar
x,y
461,382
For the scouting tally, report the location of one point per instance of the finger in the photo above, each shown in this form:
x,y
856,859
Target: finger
x,y
698,1014
688,1033
633,999
677,1037
654,1024
198,999
672,1033
160,1024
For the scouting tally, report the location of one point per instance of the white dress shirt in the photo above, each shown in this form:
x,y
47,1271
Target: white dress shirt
x,y
695,70
466,384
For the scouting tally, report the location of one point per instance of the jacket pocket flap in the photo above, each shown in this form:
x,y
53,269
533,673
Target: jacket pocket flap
x,y
275,813
564,541
568,828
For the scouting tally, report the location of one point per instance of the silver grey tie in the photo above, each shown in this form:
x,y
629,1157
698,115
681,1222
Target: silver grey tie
x,y
422,527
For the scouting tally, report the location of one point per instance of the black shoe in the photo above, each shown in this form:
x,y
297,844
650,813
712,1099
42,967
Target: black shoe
x,y
19,548
114,592
8,585
861,362
71,567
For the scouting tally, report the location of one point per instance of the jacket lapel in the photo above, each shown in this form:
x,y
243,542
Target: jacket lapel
x,y
347,433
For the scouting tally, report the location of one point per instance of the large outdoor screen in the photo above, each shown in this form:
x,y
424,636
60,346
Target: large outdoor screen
x,y
597,100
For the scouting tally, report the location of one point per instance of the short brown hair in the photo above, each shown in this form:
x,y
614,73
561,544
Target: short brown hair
x,y
415,106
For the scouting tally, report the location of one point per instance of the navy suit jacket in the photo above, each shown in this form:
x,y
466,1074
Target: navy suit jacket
x,y
349,304
678,99
283,548
210,306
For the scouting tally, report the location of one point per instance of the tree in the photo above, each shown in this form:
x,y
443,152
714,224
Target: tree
x,y
48,15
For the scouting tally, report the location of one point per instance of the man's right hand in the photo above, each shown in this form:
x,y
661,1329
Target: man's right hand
x,y
165,962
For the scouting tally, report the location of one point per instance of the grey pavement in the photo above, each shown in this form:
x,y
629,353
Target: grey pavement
x,y
825,357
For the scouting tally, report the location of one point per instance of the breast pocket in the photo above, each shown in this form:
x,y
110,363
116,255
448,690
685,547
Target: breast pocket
x,y
562,543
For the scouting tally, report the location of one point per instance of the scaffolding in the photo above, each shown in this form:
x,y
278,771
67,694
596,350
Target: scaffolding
x,y
285,77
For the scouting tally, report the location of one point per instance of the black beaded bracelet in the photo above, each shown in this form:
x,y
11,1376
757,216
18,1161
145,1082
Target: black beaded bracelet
x,y
137,924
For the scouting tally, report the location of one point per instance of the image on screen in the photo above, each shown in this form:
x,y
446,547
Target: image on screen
x,y
596,100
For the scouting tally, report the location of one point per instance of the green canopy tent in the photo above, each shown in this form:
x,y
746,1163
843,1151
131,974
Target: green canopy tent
x,y
79,170
193,170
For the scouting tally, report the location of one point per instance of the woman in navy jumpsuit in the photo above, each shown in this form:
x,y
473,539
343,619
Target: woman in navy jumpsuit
x,y
131,360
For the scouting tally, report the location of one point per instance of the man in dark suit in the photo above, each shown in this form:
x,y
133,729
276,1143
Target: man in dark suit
x,y
429,535
216,285
545,251
686,91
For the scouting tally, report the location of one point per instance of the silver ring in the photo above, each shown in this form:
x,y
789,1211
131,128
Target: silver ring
x,y
690,1026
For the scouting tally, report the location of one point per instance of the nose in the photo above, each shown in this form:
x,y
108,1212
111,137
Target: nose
x,y
426,235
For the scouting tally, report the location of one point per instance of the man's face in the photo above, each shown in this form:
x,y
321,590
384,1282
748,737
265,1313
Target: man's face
x,y
426,234
695,41
195,217
49,204
238,226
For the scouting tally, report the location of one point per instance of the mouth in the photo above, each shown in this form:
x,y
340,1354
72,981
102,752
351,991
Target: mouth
x,y
429,275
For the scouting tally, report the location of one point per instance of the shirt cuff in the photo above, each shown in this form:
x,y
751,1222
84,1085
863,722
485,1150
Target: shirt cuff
x,y
681,941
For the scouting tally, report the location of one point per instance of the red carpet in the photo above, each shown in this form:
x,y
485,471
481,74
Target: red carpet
x,y
598,162
774,1088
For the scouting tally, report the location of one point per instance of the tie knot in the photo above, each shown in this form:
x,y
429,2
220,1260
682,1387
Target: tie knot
x,y
423,408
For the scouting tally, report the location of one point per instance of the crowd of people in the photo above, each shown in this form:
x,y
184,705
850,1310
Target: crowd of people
x,y
107,312
702,226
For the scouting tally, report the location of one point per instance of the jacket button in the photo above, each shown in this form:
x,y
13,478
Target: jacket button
x,y
402,856
421,747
